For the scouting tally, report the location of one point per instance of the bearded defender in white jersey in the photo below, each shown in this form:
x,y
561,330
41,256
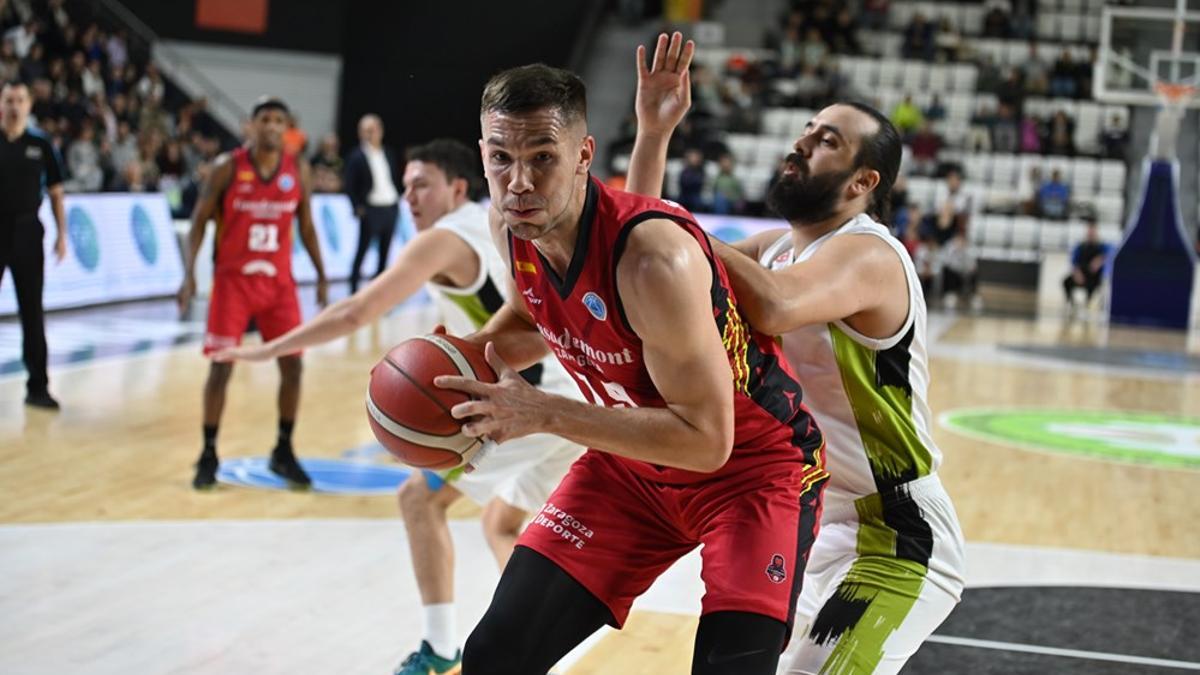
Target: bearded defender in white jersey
x,y
887,566
454,257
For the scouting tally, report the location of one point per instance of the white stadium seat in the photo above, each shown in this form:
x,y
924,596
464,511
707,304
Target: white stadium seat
x,y
1070,27
996,231
1108,209
1112,176
1025,233
1054,235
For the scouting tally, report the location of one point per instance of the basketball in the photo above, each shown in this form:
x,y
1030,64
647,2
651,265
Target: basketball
x,y
410,415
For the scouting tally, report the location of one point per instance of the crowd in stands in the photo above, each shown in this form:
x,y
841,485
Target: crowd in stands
x,y
103,103
800,69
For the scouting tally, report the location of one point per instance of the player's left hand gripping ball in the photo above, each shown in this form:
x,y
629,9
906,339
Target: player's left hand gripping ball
x,y
510,408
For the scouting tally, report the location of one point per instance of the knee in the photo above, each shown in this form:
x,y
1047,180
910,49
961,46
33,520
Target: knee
x,y
290,368
501,520
487,651
218,374
414,495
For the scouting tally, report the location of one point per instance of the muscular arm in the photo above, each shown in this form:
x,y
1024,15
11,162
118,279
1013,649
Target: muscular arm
x,y
211,191
851,276
308,232
664,95
664,281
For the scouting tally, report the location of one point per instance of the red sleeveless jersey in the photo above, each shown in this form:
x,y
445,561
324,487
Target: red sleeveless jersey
x,y
254,232
583,321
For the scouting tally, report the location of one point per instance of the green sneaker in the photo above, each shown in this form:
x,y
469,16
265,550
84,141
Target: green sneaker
x,y
426,662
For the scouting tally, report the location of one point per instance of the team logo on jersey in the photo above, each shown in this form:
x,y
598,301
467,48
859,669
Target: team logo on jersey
x,y
595,306
33,152
776,571
526,267
533,299
286,182
246,176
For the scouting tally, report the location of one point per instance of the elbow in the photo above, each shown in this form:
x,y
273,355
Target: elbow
x,y
770,322
351,315
717,448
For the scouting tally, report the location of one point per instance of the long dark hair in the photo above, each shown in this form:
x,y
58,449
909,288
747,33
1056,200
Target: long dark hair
x,y
880,151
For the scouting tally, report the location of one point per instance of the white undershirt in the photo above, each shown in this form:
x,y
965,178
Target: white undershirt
x,y
383,190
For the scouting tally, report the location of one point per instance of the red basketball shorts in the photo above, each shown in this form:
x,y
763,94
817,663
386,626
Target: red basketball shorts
x,y
237,298
616,532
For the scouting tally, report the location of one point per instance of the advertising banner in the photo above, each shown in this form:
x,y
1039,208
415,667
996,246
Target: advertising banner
x,y
119,247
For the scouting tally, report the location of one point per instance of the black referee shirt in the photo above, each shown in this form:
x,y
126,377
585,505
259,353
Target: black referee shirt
x,y
24,163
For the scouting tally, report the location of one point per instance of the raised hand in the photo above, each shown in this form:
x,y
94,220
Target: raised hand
x,y
664,91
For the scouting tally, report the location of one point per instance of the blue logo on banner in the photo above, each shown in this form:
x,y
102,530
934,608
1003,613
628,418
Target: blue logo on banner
x,y
143,234
83,238
595,305
329,225
332,476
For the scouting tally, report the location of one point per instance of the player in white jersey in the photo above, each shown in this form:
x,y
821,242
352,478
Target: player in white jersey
x,y
887,566
453,255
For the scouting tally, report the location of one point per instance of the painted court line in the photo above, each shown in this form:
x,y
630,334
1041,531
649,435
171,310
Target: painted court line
x,y
1057,651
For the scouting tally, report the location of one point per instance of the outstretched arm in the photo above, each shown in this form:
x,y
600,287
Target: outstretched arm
x,y
664,95
432,253
849,275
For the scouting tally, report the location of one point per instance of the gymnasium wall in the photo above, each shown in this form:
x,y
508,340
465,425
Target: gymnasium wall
x,y
303,25
422,66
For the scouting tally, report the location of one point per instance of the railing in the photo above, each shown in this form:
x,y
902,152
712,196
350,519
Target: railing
x,y
178,67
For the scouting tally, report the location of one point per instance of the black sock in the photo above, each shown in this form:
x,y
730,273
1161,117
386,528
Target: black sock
x,y
285,432
210,439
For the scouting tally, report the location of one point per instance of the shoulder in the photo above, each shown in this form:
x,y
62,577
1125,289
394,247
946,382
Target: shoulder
x,y
657,250
37,137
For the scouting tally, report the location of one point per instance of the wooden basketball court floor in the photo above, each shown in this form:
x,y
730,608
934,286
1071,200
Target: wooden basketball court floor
x,y
110,563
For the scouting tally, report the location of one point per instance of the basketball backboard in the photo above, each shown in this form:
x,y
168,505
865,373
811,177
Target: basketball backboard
x,y
1148,55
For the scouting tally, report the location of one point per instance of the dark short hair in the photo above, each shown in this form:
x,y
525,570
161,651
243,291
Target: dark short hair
x,y
14,83
453,157
536,87
880,151
269,103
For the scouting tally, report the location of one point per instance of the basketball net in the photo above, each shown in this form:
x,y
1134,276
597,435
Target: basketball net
x,y
1174,96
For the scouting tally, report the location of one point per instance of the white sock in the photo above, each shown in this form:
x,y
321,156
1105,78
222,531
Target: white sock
x,y
440,630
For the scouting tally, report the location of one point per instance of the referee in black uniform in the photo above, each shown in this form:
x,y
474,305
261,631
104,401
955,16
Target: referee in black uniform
x,y
28,162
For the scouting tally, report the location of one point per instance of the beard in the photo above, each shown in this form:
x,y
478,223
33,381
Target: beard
x,y
805,198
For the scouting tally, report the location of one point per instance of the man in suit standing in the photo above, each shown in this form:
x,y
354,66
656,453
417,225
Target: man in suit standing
x,y
371,172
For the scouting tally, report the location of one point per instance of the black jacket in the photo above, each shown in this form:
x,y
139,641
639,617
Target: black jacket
x,y
358,181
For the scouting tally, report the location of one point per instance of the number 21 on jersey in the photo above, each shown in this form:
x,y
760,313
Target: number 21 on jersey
x,y
264,237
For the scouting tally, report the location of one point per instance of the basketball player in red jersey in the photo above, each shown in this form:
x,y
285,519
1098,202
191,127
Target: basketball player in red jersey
x,y
697,431
256,192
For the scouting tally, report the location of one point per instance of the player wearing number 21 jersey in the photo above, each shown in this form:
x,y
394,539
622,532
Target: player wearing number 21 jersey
x,y
255,194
